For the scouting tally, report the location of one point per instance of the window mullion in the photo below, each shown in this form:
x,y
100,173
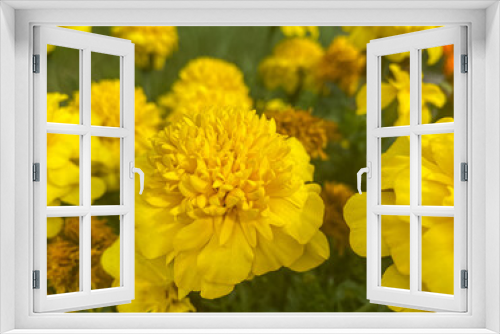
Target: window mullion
x,y
414,170
85,162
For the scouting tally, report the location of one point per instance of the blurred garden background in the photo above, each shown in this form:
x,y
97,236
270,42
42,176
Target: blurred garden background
x,y
311,82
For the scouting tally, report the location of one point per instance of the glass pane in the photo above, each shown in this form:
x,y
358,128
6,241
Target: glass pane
x,y
63,79
105,91
395,171
63,255
105,231
105,156
395,89
437,169
437,254
437,85
395,233
63,169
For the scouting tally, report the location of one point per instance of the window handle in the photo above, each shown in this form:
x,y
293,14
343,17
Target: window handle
x,y
368,171
133,170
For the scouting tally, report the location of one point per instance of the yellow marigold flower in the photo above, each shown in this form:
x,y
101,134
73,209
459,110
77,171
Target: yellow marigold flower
x,y
343,64
105,112
153,45
300,31
228,198
292,65
398,88
154,287
313,132
63,254
437,233
62,157
204,83
335,196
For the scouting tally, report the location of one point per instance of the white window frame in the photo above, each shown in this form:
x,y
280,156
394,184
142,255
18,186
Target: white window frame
x,y
484,119
415,43
86,44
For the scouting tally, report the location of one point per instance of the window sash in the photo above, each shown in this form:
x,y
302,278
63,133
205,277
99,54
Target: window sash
x,y
414,42
87,43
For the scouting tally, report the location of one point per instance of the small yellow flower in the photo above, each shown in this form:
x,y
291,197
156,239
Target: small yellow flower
x,y
313,132
292,65
227,199
335,196
205,83
437,232
154,287
398,88
343,64
63,254
300,31
153,45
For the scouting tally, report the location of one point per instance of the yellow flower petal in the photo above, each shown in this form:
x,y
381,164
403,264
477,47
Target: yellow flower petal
x,y
315,253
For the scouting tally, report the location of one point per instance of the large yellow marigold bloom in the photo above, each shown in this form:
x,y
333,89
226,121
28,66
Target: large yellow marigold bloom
x,y
228,198
437,232
154,287
300,31
292,65
398,88
206,82
313,132
343,64
153,45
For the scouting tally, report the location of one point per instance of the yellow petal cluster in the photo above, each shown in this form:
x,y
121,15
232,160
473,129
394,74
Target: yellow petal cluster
x,y
203,83
335,196
228,198
398,88
343,64
437,232
292,65
313,132
154,287
300,31
63,152
153,45
105,111
63,254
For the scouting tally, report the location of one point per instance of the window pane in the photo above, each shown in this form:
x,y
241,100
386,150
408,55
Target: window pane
x,y
63,79
437,254
395,171
437,85
395,234
63,255
437,169
395,89
105,231
63,170
105,91
105,156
